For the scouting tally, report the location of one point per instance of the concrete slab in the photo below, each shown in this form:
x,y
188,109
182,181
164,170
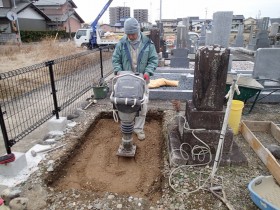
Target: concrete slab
x,y
13,168
57,124
163,94
3,187
179,62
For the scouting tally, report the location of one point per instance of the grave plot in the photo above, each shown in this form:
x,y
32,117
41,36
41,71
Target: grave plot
x,y
94,168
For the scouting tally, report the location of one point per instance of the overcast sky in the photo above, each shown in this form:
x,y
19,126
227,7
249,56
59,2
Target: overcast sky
x,y
89,9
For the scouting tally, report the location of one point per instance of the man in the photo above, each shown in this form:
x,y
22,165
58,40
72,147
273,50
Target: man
x,y
136,52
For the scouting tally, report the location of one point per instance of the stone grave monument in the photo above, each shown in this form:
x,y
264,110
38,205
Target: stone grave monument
x,y
260,40
267,64
252,38
205,112
179,57
262,35
191,49
222,22
209,38
239,39
202,38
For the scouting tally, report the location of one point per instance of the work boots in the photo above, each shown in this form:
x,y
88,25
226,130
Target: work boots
x,y
140,135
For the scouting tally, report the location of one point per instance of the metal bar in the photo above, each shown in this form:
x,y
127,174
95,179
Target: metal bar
x,y
101,63
272,91
56,108
4,132
256,99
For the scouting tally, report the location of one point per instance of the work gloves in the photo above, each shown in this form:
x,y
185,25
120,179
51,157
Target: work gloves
x,y
146,76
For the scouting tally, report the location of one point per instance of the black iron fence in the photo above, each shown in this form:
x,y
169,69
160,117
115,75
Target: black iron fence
x,y
31,95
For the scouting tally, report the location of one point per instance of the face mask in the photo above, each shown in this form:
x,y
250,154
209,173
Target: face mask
x,y
136,40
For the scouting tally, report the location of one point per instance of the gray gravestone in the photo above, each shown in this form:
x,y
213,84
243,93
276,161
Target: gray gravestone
x,y
267,64
179,57
202,38
259,36
239,40
252,38
222,22
262,40
209,38
186,22
263,24
181,36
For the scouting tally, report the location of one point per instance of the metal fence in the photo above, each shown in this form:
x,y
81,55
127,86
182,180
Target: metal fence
x,y
31,95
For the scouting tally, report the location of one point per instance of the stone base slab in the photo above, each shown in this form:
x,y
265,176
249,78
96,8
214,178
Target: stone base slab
x,y
210,120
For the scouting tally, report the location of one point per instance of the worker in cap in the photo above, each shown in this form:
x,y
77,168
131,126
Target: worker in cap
x,y
136,52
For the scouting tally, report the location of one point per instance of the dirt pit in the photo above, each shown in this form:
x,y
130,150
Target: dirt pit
x,y
96,168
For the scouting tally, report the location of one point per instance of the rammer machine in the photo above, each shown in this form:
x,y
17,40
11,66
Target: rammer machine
x,y
127,97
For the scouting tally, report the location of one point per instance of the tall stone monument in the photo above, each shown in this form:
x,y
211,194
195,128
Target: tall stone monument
x,y
209,38
222,22
180,58
259,38
211,67
205,111
202,38
262,35
239,39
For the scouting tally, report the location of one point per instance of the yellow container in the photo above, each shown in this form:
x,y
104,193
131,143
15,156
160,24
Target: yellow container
x,y
235,115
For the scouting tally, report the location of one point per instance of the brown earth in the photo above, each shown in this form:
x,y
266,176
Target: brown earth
x,y
97,168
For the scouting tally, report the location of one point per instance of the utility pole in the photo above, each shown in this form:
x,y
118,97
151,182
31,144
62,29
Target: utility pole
x,y
56,19
69,25
17,25
160,23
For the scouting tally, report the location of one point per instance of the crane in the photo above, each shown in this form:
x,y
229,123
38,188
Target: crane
x,y
93,39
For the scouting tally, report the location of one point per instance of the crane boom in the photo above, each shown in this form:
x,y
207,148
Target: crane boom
x,y
93,40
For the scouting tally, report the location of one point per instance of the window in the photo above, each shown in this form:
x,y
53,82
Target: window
x,y
81,33
1,3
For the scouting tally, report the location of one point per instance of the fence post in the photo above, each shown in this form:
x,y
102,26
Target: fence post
x,y
101,62
56,108
4,132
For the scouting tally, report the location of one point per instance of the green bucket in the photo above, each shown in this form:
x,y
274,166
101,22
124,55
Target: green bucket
x,y
100,92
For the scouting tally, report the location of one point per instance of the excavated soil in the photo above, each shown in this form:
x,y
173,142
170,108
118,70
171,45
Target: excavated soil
x,y
97,169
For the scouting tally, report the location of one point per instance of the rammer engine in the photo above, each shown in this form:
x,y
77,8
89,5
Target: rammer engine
x,y
127,98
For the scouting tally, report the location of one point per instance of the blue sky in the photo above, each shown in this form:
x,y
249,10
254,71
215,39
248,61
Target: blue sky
x,y
89,9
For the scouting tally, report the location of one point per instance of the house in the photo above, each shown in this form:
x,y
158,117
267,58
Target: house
x,y
22,15
249,23
169,25
62,14
236,21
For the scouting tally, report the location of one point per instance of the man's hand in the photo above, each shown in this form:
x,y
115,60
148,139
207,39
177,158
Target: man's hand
x,y
146,77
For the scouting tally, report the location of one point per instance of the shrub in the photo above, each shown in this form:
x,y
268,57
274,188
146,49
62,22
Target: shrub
x,y
36,36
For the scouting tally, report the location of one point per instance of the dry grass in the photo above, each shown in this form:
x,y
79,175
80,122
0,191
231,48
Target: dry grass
x,y
15,57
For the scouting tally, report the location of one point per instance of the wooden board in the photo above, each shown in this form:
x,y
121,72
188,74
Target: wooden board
x,y
264,154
